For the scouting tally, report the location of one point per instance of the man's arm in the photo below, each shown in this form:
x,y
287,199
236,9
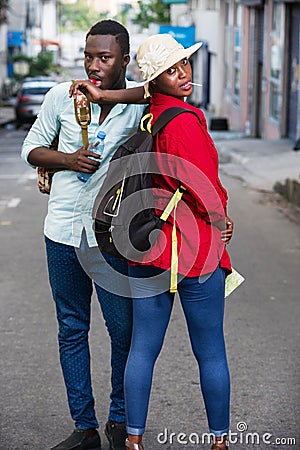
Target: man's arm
x,y
77,161
36,147
94,94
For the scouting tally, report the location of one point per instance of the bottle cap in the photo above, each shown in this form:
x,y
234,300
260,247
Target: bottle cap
x,y
101,134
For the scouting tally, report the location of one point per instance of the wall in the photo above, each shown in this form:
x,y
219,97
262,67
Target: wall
x,y
209,28
3,68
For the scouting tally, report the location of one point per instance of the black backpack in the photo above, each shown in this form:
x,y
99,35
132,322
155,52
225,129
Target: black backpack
x,y
125,223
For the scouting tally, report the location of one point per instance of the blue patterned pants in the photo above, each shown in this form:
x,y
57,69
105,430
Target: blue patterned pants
x,y
72,290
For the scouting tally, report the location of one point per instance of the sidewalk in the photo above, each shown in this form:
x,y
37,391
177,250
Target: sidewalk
x,y
259,163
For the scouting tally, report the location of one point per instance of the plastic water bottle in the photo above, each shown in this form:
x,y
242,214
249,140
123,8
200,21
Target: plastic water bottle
x,y
96,146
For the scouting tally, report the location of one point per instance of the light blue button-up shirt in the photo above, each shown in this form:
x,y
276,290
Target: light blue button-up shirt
x,y
71,201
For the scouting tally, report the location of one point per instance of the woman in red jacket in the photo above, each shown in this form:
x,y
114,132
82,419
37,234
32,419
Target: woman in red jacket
x,y
186,156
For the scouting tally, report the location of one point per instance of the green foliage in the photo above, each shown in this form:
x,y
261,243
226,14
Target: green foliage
x,y
19,57
78,16
41,65
152,11
122,15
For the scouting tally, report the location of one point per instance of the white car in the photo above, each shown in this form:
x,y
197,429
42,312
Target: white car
x,y
30,97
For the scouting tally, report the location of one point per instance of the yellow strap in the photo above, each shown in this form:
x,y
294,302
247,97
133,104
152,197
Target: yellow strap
x,y
118,192
85,137
172,203
146,116
82,112
83,116
174,257
174,252
84,127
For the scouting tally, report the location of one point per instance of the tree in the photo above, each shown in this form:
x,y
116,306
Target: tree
x,y
78,16
41,65
152,11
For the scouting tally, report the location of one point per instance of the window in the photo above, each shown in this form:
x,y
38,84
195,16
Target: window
x,y
276,62
211,4
228,46
237,53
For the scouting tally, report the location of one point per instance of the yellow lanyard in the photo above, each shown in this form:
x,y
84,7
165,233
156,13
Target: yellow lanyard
x,y
174,252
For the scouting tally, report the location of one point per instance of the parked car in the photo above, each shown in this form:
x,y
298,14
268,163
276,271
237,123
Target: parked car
x,y
30,97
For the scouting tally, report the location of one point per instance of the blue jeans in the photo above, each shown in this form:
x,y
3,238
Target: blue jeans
x,y
72,290
202,300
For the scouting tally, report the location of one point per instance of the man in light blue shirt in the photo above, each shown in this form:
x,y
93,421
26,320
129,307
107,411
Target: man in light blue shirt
x,y
70,241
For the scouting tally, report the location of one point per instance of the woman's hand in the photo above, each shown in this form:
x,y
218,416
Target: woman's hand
x,y
95,94
226,235
86,87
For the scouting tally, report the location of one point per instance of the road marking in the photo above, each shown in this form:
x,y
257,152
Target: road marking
x,y
13,203
9,203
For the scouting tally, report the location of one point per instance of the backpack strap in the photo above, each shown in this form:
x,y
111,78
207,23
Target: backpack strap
x,y
162,120
165,117
172,205
176,197
82,110
169,114
84,123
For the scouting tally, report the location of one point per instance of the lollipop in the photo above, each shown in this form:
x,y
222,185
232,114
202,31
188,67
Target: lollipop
x,y
95,82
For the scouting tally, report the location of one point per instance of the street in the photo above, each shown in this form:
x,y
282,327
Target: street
x,y
262,331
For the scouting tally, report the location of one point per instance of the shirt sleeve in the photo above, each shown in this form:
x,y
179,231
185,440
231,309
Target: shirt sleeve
x,y
46,126
196,165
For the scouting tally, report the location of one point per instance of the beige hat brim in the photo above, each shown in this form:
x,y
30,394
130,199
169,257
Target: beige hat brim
x,y
170,61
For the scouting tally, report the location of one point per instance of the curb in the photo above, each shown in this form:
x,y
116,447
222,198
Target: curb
x,y
7,114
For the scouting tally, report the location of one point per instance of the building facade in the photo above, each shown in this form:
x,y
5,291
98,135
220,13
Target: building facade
x,y
249,63
262,71
30,26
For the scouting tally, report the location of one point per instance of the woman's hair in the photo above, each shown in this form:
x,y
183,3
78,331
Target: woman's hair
x,y
113,28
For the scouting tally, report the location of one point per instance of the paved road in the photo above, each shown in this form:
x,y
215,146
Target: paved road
x,y
262,330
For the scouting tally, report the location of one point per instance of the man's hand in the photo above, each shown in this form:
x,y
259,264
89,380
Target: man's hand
x,y
226,234
79,161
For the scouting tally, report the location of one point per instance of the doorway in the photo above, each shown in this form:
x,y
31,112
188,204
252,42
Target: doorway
x,y
255,87
294,73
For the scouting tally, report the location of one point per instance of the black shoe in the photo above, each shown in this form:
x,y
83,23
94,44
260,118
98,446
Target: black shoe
x,y
116,435
79,440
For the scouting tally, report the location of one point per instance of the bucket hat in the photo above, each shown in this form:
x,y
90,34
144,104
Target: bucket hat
x,y
158,53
